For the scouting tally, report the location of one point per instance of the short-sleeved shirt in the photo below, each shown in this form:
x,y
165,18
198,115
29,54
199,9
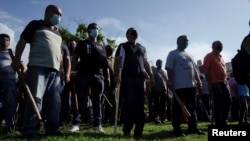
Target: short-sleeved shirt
x,y
160,79
92,57
6,71
183,67
65,53
132,59
45,44
216,67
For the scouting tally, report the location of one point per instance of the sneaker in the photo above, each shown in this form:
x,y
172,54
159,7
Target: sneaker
x,y
74,128
99,129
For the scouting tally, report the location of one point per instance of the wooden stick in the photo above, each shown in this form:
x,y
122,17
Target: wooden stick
x,y
183,107
105,97
21,79
117,98
30,95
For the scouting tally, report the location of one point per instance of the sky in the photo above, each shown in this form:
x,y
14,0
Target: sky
x,y
158,22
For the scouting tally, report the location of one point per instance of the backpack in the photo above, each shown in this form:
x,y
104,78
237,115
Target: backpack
x,y
237,67
240,63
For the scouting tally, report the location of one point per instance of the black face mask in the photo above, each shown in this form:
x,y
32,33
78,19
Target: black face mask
x,y
134,33
218,47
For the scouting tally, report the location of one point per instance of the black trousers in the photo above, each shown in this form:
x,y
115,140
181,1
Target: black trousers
x,y
132,92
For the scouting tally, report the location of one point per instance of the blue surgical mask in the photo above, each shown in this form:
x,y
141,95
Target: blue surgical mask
x,y
55,19
183,44
93,33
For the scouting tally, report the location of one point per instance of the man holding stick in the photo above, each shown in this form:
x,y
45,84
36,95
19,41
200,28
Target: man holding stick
x,y
183,79
8,80
43,77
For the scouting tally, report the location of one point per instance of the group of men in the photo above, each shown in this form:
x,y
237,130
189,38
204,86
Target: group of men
x,y
46,73
131,70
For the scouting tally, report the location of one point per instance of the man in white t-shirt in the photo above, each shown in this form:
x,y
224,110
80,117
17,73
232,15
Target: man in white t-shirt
x,y
183,80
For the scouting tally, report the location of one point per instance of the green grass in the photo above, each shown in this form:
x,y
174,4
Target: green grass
x,y
152,132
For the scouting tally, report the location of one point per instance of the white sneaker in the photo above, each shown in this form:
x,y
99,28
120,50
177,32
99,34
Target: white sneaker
x,y
74,128
99,129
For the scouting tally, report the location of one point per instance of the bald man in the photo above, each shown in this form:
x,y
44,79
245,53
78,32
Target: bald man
x,y
42,76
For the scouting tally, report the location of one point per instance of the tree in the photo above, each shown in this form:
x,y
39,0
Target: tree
x,y
81,34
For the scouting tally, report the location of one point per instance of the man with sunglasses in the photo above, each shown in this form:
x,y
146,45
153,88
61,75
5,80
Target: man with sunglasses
x,y
131,63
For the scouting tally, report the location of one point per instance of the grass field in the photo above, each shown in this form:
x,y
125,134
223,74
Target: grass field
x,y
152,132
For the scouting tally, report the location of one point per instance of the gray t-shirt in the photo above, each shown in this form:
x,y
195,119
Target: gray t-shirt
x,y
45,45
183,66
6,71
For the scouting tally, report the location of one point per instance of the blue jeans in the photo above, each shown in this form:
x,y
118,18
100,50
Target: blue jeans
x,y
94,82
9,99
45,86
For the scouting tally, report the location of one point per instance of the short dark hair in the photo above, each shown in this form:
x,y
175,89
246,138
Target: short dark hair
x,y
4,35
180,38
215,43
91,25
131,29
158,61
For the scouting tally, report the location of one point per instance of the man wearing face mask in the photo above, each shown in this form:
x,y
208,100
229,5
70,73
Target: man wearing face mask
x,y
92,72
43,76
215,72
183,79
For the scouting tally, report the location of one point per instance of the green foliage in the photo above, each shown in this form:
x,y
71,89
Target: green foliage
x,y
82,33
66,35
152,132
